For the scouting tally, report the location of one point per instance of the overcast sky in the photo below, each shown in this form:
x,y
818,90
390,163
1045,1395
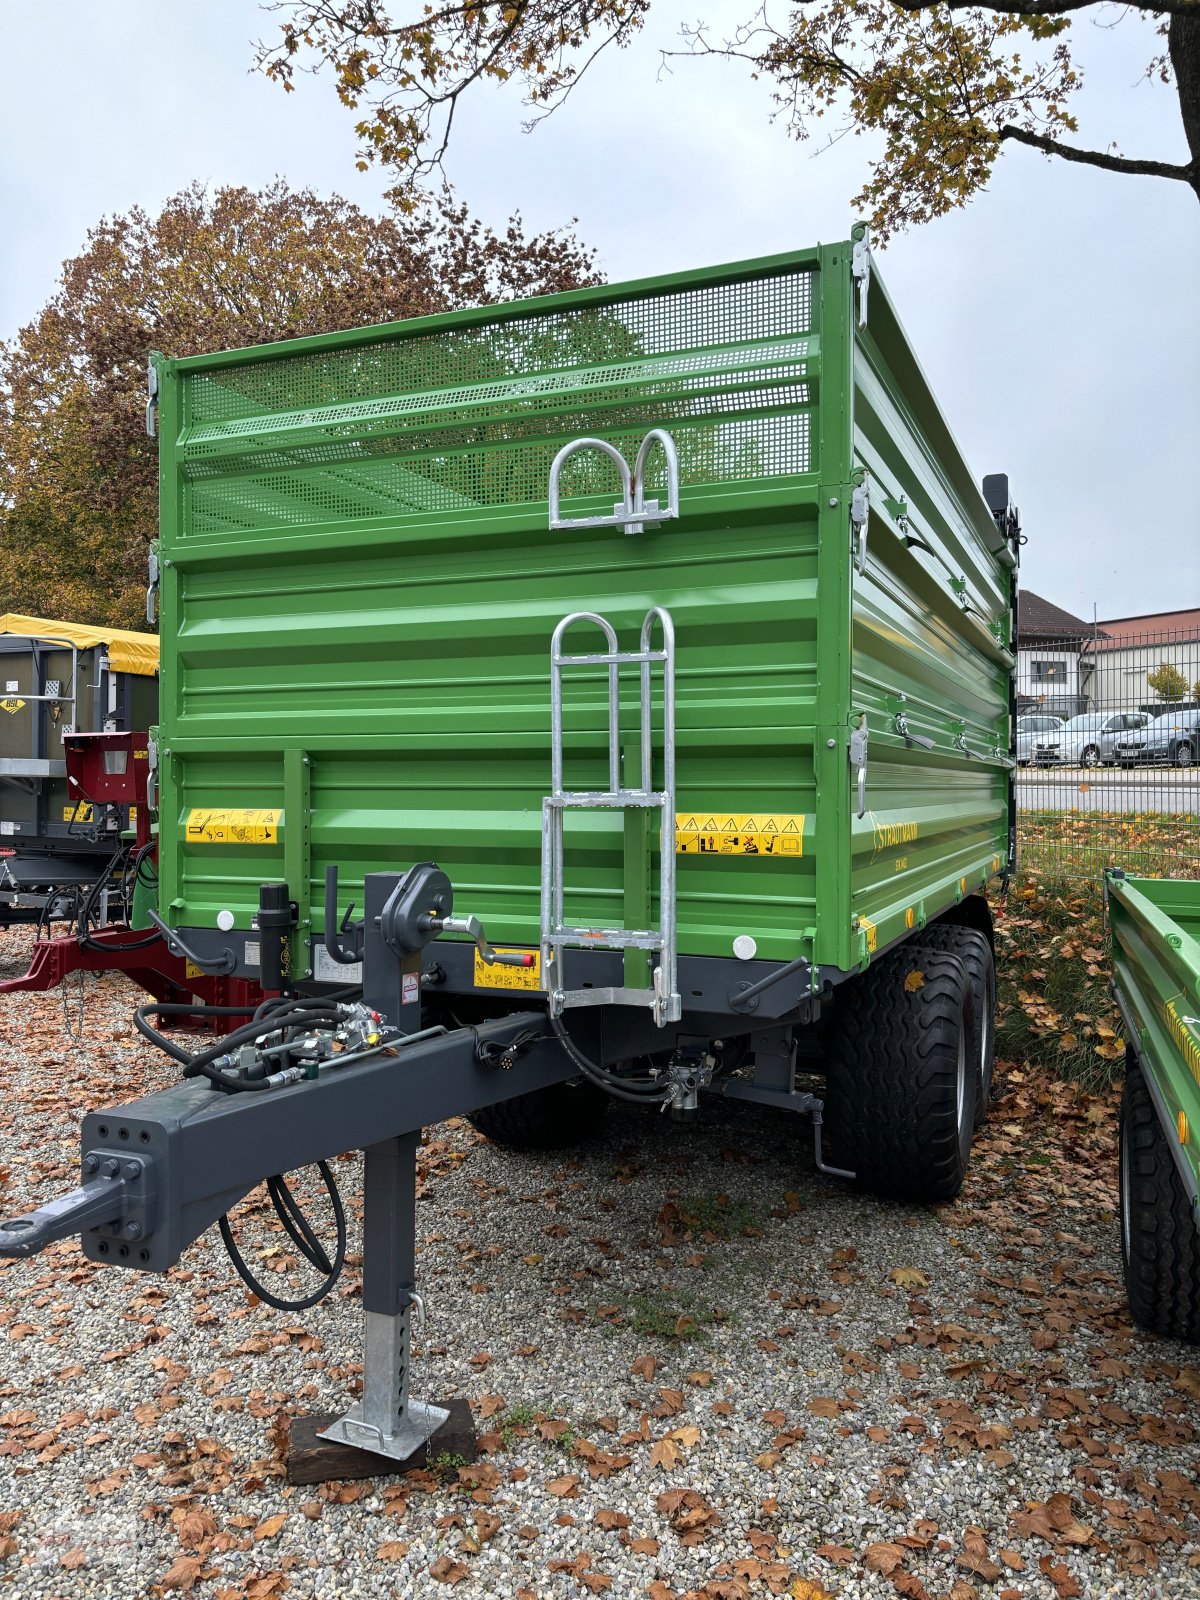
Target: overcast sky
x,y
1057,318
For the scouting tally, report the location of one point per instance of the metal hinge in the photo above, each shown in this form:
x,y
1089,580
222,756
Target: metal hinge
x,y
151,773
151,398
152,584
860,506
860,269
858,760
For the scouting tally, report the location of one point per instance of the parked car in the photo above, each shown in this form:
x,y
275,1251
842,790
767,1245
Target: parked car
x,y
1032,726
1172,738
1088,740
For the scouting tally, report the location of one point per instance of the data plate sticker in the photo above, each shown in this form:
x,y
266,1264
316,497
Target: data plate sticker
x,y
233,825
492,975
725,833
327,970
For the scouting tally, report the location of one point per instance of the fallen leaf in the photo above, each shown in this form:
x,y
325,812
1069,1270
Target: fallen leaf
x,y
184,1573
914,981
270,1528
909,1277
883,1557
447,1571
564,1488
611,1519
839,1554
392,1550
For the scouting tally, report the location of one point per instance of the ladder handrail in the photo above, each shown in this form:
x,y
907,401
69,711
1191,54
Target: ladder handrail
x,y
634,510
557,662
622,514
663,997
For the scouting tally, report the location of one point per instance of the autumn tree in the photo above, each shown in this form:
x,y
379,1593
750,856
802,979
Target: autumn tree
x,y
1167,682
946,84
210,272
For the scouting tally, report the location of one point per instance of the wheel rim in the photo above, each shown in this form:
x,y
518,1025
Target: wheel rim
x,y
960,1085
1091,756
985,1033
1126,1183
1183,756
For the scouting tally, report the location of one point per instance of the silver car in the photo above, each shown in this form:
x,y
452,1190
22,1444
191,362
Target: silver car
x,y
1087,740
1170,739
1032,726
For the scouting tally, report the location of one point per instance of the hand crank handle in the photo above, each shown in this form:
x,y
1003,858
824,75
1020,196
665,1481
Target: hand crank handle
x,y
473,927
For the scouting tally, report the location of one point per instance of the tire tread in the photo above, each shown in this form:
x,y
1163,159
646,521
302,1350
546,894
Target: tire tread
x,y
1162,1264
891,1095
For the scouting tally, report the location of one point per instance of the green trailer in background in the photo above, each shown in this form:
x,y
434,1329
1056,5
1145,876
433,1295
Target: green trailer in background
x,y
1155,924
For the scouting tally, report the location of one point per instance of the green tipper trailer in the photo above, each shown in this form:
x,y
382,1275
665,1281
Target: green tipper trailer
x,y
361,574
640,661
1155,927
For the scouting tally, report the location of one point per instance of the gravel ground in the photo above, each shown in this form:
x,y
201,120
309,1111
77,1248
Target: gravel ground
x,y
698,1367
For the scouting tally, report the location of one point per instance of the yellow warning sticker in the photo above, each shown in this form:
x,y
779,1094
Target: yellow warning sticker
x,y
494,975
726,833
868,927
81,813
233,825
12,705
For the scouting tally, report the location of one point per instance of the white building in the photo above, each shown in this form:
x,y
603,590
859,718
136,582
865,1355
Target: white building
x,y
1117,660
1050,645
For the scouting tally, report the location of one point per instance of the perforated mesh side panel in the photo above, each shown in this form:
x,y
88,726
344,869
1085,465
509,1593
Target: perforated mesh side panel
x,y
472,416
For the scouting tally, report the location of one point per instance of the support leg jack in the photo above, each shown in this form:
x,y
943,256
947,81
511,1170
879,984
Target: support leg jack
x,y
387,1422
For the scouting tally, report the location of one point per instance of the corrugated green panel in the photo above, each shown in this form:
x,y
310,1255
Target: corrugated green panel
x,y
929,613
419,688
1156,949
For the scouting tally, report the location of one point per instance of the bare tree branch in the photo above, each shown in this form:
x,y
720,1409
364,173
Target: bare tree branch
x,y
1097,158
1053,8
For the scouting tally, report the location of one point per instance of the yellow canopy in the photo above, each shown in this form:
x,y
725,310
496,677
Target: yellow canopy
x,y
127,651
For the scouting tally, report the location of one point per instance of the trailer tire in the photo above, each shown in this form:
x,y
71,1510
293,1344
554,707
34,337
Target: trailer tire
x,y
975,952
1160,1240
553,1118
900,1094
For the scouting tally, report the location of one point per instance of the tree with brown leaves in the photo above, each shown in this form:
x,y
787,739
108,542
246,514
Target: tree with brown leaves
x,y
78,486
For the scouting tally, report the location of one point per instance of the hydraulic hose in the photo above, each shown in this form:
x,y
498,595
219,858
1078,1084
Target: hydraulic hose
x,y
608,1081
302,1236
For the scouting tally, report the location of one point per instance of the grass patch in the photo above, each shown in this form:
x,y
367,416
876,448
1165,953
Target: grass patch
x,y
1055,1008
1077,846
719,1216
679,1318
1053,964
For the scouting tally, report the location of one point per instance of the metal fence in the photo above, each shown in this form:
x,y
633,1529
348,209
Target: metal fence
x,y
1108,752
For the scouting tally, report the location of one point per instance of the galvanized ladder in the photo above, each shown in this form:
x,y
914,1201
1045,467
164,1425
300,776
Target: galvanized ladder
x,y
663,998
